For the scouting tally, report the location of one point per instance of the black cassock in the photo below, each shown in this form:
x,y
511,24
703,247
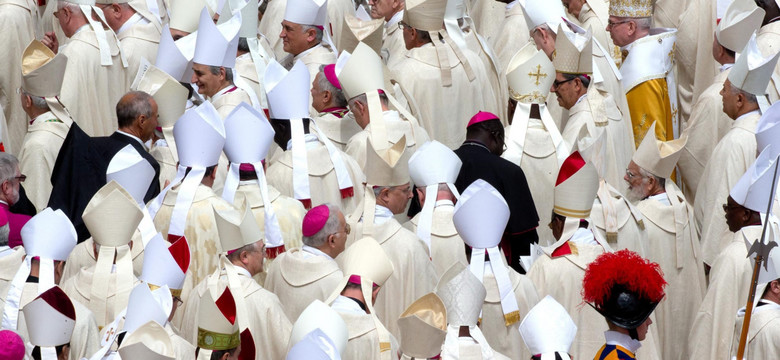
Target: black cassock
x,y
80,171
509,180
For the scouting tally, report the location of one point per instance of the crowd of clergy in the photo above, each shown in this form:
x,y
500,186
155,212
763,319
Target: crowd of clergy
x,y
389,179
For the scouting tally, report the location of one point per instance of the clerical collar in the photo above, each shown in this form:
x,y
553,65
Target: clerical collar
x,y
476,143
381,214
581,98
360,303
44,117
338,112
81,28
583,236
661,198
225,90
161,143
136,18
745,115
511,5
444,203
620,339
315,251
306,52
136,138
725,67
242,271
310,139
395,19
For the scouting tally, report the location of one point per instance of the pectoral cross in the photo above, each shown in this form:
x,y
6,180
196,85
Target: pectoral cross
x,y
539,74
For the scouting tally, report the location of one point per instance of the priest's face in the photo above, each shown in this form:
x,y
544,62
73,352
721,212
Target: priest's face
x,y
620,30
294,39
565,90
208,82
737,216
573,6
10,187
318,99
730,99
637,185
384,9
396,197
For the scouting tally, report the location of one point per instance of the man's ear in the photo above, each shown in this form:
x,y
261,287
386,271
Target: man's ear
x,y
327,96
26,101
311,35
223,73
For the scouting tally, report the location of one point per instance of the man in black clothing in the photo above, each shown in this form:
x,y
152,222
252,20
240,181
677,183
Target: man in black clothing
x,y
481,157
80,169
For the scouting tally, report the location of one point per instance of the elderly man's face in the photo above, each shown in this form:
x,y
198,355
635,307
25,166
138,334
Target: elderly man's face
x,y
730,100
10,187
208,82
619,30
149,124
294,39
397,197
637,186
383,9
565,90
317,98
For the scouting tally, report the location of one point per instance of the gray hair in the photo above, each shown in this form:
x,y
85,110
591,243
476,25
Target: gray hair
x,y
4,232
751,98
37,101
325,85
643,23
318,31
331,227
546,28
62,4
235,255
583,78
646,175
131,106
228,72
8,165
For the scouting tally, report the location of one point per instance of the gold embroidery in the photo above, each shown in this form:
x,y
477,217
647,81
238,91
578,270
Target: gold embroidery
x,y
215,341
512,317
539,74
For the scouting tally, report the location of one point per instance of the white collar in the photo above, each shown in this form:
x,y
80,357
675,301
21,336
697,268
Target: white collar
x,y
344,304
310,139
581,98
136,18
444,203
240,270
616,338
511,5
161,143
395,19
47,114
306,52
223,91
725,67
747,114
315,251
391,115
381,214
661,198
132,136
583,236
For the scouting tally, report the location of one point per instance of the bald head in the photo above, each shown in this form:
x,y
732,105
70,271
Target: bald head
x,y
136,114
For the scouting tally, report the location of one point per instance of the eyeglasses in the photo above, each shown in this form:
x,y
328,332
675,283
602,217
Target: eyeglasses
x,y
178,300
613,24
629,174
347,229
556,84
402,25
727,207
21,178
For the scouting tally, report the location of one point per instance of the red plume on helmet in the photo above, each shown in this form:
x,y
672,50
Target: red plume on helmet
x,y
624,287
